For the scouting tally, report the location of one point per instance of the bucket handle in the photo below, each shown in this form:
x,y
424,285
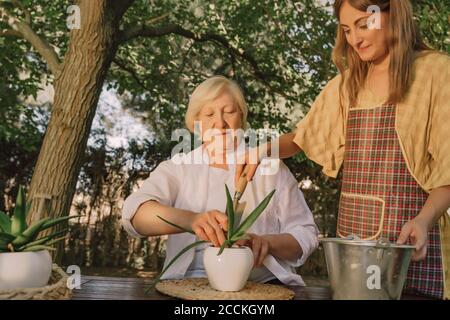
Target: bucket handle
x,y
383,243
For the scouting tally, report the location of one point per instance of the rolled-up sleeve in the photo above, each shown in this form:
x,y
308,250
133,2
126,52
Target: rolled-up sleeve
x,y
320,134
295,216
162,186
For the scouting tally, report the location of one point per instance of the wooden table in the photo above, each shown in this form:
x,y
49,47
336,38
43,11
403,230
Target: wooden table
x,y
114,288
106,288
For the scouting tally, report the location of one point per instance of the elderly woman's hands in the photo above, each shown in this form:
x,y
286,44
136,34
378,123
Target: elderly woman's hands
x,y
259,244
210,226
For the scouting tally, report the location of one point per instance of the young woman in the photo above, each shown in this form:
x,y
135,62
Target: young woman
x,y
191,193
385,120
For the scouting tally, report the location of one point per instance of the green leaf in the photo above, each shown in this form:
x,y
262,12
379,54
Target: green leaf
x,y
227,244
33,231
5,222
50,243
185,249
27,209
239,236
6,237
19,224
52,222
29,234
39,248
252,217
43,240
175,225
230,213
47,244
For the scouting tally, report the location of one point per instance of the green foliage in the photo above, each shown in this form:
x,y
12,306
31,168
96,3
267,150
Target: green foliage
x,y
433,19
17,236
21,132
290,46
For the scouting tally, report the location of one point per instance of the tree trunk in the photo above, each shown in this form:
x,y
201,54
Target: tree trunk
x,y
77,89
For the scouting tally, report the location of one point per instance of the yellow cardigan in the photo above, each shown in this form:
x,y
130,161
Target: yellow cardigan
x,y
422,123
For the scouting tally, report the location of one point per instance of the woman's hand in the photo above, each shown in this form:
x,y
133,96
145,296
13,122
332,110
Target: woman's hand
x,y
417,231
210,226
281,148
260,246
251,160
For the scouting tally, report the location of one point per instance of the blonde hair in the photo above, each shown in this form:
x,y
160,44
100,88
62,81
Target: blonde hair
x,y
403,41
209,90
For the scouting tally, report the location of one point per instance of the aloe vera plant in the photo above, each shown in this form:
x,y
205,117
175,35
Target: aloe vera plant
x,y
233,234
17,236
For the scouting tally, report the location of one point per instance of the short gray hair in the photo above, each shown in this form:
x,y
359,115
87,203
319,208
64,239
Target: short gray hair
x,y
209,90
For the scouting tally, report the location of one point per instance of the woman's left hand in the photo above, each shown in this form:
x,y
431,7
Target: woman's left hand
x,y
260,246
417,231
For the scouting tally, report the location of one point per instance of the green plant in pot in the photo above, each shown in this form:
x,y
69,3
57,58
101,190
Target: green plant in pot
x,y
25,261
230,271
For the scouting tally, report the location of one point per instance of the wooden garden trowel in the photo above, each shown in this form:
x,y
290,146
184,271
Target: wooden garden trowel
x,y
239,207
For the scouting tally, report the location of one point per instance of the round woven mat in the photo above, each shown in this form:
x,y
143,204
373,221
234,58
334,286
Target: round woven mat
x,y
199,289
55,290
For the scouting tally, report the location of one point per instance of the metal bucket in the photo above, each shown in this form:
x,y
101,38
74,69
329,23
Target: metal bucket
x,y
366,270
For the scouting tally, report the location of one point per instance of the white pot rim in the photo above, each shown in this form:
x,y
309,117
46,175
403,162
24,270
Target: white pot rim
x,y
23,252
233,247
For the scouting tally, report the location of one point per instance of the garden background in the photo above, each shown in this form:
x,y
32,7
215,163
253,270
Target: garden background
x,y
87,113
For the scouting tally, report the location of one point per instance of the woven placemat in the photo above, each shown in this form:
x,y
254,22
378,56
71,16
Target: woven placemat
x,y
55,290
199,289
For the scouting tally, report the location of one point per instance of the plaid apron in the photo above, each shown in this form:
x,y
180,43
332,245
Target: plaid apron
x,y
379,195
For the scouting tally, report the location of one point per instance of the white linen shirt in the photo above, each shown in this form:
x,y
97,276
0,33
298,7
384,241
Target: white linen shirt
x,y
200,188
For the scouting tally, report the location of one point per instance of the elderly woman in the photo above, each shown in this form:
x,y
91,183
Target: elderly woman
x,y
192,194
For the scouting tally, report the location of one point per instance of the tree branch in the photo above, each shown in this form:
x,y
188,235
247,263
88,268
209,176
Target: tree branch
x,y
185,58
20,5
24,30
120,6
133,31
176,29
145,31
131,71
10,33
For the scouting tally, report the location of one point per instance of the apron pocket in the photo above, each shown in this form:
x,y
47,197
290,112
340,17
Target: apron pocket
x,y
360,215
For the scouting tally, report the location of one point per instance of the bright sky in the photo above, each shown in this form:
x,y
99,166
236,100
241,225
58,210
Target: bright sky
x,y
120,125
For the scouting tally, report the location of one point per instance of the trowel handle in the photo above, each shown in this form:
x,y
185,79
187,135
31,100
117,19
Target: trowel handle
x,y
242,183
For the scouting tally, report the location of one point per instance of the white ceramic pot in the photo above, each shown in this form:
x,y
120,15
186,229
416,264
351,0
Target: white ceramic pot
x,y
230,270
24,269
